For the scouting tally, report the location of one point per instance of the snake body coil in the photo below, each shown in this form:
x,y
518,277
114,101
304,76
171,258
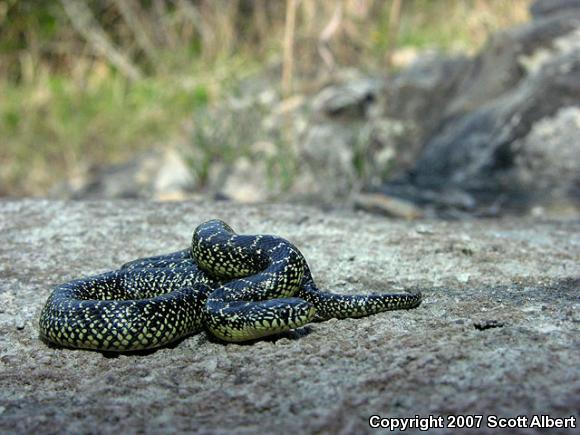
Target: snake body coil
x,y
239,287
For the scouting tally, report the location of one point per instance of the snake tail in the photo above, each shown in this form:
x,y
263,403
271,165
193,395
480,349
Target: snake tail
x,y
331,305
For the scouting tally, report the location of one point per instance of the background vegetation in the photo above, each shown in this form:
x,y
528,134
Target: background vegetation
x,y
94,81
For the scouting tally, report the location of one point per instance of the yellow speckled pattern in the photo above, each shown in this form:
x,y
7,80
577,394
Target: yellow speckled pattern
x,y
238,287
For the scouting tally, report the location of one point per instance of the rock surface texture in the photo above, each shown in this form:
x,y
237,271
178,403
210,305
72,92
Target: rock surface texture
x,y
497,332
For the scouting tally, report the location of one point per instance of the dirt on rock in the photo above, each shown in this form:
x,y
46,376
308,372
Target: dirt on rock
x,y
497,333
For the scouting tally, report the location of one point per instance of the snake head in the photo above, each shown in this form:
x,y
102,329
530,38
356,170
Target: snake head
x,y
212,226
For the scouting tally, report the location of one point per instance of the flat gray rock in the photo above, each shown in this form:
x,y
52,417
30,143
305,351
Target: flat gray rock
x,y
496,334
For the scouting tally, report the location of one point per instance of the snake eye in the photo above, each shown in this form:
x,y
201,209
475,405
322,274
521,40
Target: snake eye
x,y
227,227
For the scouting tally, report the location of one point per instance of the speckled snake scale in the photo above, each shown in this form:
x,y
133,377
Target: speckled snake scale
x,y
238,287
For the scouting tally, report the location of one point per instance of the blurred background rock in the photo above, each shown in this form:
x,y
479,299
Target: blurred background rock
x,y
409,108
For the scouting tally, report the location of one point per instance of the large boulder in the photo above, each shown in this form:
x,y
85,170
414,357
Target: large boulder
x,y
481,120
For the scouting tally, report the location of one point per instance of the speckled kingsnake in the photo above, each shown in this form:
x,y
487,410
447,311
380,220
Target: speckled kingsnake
x,y
239,287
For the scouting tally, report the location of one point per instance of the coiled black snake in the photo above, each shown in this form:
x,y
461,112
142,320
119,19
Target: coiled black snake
x,y
239,287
